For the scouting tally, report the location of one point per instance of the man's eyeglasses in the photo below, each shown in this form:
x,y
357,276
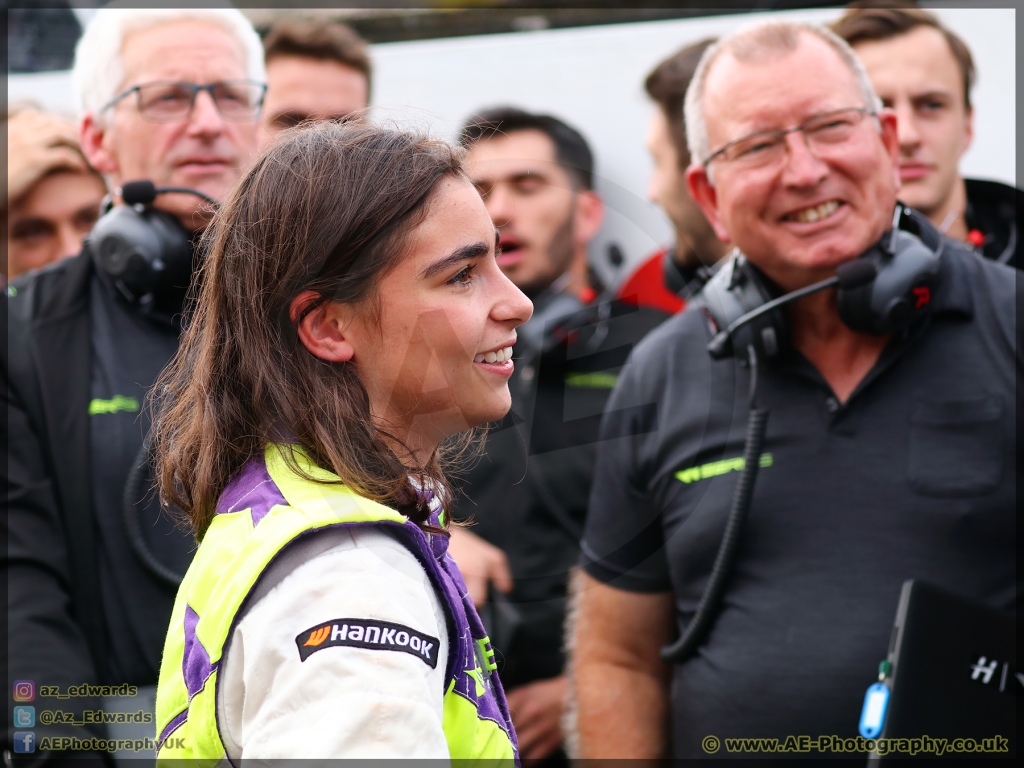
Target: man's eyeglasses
x,y
821,132
239,100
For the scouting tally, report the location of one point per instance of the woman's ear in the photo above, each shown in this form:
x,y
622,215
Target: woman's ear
x,y
322,331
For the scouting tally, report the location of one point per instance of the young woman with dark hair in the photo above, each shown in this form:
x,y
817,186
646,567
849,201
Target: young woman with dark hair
x,y
351,320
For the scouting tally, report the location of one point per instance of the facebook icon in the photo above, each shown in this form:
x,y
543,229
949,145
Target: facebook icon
x,y
24,741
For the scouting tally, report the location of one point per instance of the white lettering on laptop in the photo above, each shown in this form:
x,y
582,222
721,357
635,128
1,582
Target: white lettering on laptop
x,y
982,669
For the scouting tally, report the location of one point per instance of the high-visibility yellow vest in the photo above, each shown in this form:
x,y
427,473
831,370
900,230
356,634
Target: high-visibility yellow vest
x,y
266,507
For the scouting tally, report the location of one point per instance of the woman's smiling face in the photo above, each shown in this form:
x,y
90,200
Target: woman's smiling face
x,y
441,313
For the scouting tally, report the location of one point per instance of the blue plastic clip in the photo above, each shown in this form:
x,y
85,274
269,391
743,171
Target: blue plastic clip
x,y
872,716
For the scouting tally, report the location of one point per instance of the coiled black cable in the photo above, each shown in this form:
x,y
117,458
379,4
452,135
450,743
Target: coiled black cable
x,y
136,489
707,608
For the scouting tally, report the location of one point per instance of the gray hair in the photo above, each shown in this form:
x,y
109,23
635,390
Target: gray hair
x,y
756,43
98,72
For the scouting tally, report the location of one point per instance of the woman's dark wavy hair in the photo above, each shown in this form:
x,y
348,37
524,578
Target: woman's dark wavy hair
x,y
326,209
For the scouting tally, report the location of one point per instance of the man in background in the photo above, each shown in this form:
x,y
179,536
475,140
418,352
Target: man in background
x,y
527,496
664,279
172,96
53,196
924,72
315,71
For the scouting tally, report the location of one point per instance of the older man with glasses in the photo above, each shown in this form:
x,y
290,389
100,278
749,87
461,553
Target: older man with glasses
x,y
888,456
172,97
177,102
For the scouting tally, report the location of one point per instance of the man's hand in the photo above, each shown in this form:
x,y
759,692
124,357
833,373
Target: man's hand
x,y
620,682
480,563
536,710
38,143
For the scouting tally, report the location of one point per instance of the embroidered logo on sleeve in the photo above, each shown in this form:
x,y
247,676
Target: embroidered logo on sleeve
x,y
367,633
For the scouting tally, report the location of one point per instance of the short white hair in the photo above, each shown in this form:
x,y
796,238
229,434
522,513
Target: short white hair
x,y
98,73
755,43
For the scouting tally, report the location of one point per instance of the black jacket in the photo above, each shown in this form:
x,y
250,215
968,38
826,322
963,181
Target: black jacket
x,y
997,212
57,632
528,494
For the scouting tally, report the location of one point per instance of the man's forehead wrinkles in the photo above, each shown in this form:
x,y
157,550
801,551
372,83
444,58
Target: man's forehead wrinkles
x,y
742,108
176,69
180,56
767,121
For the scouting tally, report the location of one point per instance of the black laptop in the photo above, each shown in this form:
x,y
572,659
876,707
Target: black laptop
x,y
953,680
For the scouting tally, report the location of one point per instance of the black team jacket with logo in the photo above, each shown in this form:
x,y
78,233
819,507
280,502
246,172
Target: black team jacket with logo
x,y
528,494
64,556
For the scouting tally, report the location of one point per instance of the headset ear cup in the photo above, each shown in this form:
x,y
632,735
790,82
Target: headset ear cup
x,y
901,292
123,247
854,304
769,334
736,289
141,250
855,308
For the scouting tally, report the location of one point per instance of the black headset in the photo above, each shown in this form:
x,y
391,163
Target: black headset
x,y
885,290
143,249
684,282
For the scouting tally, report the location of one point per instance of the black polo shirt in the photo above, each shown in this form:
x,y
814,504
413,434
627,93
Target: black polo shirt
x,y
528,493
913,477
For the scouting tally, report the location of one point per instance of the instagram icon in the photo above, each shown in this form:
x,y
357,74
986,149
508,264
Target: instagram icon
x,y
24,690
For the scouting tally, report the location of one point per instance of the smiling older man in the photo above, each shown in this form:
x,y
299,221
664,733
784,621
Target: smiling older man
x,y
172,96
887,457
